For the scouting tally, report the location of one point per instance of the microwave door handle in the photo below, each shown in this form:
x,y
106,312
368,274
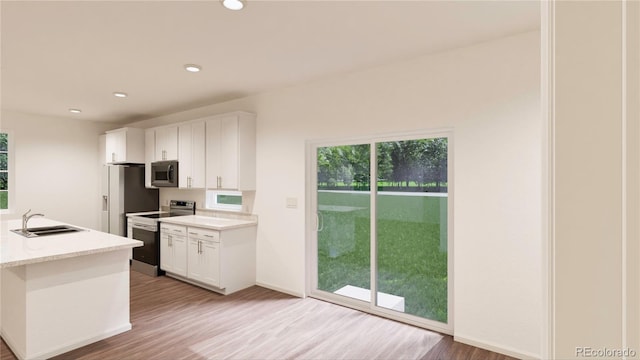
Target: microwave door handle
x,y
170,173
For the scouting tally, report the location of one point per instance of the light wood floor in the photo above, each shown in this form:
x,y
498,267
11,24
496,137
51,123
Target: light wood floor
x,y
174,320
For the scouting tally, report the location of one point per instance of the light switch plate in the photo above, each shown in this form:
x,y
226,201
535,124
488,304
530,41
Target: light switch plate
x,y
292,203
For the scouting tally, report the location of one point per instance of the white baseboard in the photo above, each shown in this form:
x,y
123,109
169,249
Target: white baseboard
x,y
494,347
11,344
279,289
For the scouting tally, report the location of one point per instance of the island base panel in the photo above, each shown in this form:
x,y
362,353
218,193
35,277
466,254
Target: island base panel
x,y
52,307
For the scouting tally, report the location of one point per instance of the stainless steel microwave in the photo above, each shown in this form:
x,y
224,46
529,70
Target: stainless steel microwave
x,y
164,173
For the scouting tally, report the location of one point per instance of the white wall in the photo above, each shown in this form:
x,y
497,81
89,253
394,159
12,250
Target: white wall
x,y
489,95
57,169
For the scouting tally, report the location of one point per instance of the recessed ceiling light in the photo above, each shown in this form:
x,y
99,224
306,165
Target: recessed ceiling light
x,y
75,111
233,4
120,94
192,68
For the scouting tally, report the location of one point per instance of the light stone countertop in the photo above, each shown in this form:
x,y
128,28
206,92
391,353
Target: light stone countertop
x,y
16,250
208,222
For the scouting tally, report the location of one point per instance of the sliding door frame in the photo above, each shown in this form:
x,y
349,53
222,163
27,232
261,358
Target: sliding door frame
x,y
312,224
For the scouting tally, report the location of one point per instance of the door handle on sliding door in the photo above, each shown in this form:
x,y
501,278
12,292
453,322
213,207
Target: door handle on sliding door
x,y
319,222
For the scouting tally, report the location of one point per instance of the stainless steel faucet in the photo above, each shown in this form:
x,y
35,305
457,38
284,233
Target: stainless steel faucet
x,y
25,220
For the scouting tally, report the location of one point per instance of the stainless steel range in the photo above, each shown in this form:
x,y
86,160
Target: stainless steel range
x,y
146,228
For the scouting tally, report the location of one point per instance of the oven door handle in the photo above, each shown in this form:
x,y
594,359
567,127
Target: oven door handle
x,y
144,227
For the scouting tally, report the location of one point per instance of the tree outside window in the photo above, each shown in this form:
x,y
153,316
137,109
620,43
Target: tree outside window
x,y
4,171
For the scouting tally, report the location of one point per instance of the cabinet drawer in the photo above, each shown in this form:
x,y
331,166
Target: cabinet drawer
x,y
204,234
173,229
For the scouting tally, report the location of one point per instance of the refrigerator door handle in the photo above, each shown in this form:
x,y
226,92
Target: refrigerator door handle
x,y
105,203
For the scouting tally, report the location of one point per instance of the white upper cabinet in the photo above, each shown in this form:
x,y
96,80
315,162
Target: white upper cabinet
x,y
191,155
159,144
166,143
124,145
149,154
231,152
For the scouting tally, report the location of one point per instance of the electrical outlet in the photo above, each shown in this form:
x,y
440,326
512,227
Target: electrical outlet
x,y
292,203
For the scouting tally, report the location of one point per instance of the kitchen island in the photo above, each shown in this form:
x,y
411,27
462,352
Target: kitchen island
x,y
63,291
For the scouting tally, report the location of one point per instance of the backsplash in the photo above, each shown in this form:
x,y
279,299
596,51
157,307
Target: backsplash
x,y
227,214
198,195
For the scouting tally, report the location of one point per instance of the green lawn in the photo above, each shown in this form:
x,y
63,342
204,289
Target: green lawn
x,y
410,261
4,200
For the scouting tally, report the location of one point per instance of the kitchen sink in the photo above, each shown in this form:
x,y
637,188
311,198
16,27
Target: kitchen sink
x,y
47,230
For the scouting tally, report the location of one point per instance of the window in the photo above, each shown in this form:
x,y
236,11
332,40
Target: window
x,y
5,162
224,200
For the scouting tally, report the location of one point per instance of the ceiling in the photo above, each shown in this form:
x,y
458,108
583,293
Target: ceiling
x,y
57,55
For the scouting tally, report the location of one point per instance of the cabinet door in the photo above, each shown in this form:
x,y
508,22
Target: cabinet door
x,y
185,154
210,263
116,144
179,255
213,153
149,154
198,150
194,270
191,155
167,143
222,153
229,153
173,249
160,135
166,252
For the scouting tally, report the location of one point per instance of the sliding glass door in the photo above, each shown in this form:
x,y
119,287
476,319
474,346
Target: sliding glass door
x,y
411,227
389,239
344,220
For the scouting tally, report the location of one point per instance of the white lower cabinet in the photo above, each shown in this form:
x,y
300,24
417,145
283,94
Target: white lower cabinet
x,y
220,260
173,249
204,256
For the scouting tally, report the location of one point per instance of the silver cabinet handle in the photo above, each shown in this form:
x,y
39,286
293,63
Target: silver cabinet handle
x,y
113,157
219,182
170,240
105,203
199,245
